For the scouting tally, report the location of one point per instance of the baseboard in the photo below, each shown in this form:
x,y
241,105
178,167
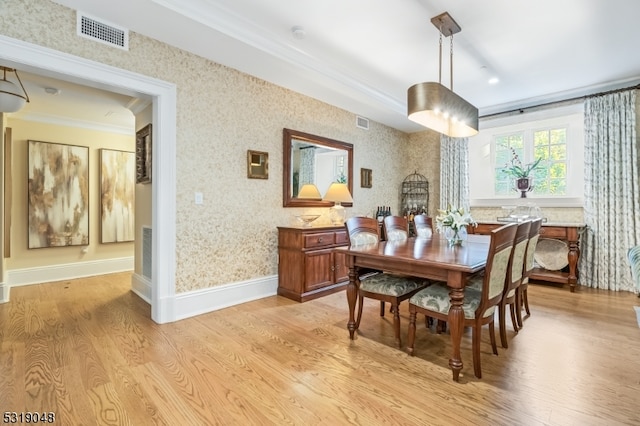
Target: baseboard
x,y
4,293
211,299
68,271
141,286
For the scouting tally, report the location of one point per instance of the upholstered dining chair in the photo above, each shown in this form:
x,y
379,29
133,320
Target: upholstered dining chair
x,y
513,281
423,225
633,256
479,306
396,228
383,286
522,297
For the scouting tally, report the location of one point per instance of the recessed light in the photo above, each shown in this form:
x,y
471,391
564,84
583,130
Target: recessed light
x,y
494,80
52,90
298,32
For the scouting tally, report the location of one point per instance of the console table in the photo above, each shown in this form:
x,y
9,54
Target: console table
x,y
569,232
308,266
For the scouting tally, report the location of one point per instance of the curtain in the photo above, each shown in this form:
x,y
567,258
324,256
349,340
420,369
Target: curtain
x,y
307,165
454,172
612,205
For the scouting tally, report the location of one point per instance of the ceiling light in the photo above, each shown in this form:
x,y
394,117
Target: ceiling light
x,y
11,100
494,80
298,32
433,105
52,91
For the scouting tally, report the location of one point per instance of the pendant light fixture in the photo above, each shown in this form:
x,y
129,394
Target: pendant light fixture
x,y
436,107
11,100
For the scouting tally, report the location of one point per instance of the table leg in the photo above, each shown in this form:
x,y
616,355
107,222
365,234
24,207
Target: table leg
x,y
352,295
574,254
456,320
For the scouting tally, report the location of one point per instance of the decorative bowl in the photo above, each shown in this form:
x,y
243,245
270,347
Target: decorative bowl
x,y
306,219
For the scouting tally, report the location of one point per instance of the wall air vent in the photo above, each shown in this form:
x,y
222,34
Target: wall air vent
x,y
102,32
362,123
146,252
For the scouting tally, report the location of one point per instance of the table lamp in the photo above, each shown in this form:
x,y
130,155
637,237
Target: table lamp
x,y
309,192
338,193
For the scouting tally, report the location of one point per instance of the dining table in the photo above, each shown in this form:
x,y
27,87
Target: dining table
x,y
432,258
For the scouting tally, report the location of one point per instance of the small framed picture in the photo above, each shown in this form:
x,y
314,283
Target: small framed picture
x,y
366,178
257,164
144,148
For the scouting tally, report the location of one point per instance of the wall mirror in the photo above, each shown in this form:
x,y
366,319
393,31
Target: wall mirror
x,y
314,159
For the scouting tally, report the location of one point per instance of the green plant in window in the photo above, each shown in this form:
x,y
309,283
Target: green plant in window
x,y
515,168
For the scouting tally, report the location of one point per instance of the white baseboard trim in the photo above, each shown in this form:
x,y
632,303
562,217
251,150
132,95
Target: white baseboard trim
x,y
4,293
41,274
141,286
211,299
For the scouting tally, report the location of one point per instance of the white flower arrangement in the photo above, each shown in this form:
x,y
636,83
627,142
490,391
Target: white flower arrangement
x,y
454,218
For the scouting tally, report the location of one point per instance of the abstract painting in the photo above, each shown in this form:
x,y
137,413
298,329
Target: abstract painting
x,y
58,195
117,196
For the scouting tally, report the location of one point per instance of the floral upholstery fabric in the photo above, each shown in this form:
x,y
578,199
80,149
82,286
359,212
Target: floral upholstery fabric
x,y
391,285
396,235
424,231
633,255
475,282
363,238
436,298
499,272
531,249
519,252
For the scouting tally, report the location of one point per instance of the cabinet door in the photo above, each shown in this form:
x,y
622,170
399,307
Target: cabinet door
x,y
341,271
318,268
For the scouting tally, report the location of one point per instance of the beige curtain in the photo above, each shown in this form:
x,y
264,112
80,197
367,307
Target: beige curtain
x,y
454,172
612,193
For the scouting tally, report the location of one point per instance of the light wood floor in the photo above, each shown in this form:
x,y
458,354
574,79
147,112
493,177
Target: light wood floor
x,y
87,350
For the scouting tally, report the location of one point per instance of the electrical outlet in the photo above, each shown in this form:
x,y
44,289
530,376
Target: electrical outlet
x,y
199,198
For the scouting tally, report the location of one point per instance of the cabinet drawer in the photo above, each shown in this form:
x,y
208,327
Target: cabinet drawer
x,y
553,232
341,237
318,240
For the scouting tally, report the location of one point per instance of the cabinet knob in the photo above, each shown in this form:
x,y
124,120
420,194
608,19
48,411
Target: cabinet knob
x,y
320,239
333,268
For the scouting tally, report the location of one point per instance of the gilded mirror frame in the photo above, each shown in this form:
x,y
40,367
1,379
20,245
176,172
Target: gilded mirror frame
x,y
287,178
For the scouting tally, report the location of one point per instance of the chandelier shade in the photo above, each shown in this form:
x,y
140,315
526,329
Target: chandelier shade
x,y
11,98
436,107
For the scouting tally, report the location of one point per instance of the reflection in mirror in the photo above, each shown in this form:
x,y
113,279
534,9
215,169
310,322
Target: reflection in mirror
x,y
310,159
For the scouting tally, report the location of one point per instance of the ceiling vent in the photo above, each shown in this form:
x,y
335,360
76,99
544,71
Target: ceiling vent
x,y
102,32
362,123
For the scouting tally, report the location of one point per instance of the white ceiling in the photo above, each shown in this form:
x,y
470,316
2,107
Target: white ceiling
x,y
362,55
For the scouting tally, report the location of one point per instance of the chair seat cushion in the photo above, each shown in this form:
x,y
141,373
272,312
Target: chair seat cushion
x,y
391,285
475,282
435,298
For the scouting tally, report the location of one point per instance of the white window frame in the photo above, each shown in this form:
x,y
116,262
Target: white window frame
x,y
482,159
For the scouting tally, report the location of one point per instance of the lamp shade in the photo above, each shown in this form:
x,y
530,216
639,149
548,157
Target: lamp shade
x,y
338,193
11,100
438,108
309,192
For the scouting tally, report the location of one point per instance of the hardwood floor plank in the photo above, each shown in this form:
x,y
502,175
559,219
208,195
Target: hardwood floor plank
x,y
88,349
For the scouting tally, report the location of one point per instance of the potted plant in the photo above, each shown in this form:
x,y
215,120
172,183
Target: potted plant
x,y
521,173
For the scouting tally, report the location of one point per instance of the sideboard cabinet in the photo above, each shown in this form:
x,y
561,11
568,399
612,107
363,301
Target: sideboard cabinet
x,y
308,267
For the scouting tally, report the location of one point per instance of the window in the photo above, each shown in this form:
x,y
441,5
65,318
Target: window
x,y
555,135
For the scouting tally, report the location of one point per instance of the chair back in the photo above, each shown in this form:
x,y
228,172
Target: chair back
x,y
500,254
362,230
517,263
423,225
396,228
534,236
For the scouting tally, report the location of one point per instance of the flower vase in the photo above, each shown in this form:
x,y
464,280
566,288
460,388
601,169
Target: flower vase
x,y
455,236
524,185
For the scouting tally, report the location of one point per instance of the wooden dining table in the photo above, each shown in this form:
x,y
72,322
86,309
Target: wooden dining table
x,y
431,258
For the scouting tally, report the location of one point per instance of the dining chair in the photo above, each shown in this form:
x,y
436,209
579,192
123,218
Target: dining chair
x,y
383,286
513,281
633,256
479,306
396,228
423,225
522,297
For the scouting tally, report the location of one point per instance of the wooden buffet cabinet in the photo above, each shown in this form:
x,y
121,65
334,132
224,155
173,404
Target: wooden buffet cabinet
x,y
308,267
569,232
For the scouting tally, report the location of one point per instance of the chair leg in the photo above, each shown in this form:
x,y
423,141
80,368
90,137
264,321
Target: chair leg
x,y
519,307
475,339
360,303
412,331
396,324
503,325
492,336
381,308
514,320
525,299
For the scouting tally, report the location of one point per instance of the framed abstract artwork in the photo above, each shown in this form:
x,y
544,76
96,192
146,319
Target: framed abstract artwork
x,y
58,195
117,196
144,147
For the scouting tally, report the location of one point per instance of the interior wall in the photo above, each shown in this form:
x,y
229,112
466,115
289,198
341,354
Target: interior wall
x,y
143,197
21,256
221,113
